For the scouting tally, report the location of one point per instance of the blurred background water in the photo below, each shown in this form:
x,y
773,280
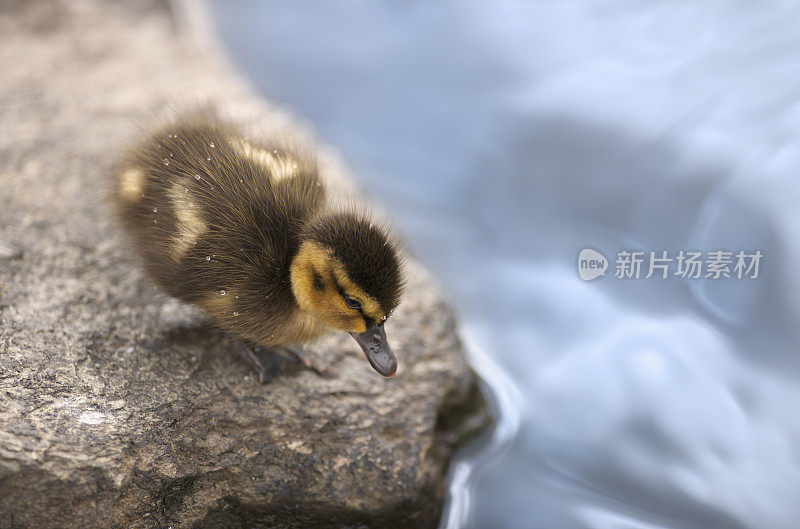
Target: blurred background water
x,y
503,137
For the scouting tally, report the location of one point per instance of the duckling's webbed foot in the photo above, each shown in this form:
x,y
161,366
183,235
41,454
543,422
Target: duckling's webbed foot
x,y
268,362
300,354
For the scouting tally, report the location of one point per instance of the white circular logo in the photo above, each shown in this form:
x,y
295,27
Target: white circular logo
x,y
591,264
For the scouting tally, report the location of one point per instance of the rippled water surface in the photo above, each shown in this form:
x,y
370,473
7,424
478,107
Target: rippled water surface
x,y
506,136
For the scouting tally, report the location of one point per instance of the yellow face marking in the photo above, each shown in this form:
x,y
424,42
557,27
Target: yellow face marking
x,y
312,274
131,184
369,305
190,224
306,326
279,166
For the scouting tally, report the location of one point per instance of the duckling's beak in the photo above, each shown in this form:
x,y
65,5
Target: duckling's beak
x,y
380,355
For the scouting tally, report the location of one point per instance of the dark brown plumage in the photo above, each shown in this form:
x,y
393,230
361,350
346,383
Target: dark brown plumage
x,y
242,228
368,257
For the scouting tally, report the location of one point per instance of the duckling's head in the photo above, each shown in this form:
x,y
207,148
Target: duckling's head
x,y
348,272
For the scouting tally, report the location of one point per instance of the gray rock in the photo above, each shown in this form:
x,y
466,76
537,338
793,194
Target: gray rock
x,y
122,408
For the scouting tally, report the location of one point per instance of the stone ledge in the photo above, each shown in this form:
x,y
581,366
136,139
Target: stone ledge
x,y
120,407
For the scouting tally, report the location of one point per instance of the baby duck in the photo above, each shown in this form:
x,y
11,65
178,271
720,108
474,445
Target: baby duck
x,y
242,228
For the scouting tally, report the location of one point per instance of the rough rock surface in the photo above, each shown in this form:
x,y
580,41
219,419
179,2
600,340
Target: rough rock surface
x,y
120,407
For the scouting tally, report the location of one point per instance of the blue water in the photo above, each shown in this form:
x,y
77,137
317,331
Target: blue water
x,y
504,137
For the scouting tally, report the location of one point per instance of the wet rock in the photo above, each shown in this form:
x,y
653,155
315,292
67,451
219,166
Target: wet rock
x,y
9,251
122,408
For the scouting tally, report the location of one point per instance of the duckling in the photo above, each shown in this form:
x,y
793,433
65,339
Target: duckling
x,y
242,228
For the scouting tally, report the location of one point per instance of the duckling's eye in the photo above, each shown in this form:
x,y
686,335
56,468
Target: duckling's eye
x,y
353,303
